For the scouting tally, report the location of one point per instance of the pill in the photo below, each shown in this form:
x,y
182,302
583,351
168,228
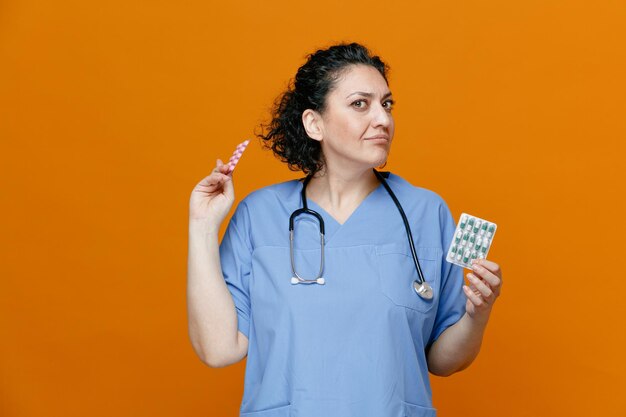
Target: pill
x,y
453,250
465,237
472,238
474,254
463,221
466,256
476,226
458,236
471,222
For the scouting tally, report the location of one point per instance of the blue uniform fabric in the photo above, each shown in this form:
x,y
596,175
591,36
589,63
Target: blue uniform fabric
x,y
354,346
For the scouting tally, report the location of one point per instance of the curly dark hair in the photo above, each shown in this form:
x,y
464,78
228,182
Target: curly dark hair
x,y
285,134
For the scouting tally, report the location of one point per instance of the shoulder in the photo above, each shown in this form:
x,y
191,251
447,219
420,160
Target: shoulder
x,y
260,213
271,193
414,193
427,209
269,199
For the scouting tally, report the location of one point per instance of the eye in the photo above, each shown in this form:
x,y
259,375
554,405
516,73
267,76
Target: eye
x,y
359,104
388,104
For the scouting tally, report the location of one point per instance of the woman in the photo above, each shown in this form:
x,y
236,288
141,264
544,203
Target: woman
x,y
356,339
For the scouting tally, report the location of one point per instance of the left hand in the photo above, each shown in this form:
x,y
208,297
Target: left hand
x,y
485,282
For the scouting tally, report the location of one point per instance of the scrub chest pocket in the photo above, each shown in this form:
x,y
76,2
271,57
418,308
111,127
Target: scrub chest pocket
x,y
396,271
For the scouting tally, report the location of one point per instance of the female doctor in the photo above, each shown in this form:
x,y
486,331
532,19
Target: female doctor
x,y
333,327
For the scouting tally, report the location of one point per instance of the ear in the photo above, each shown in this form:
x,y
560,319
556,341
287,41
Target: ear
x,y
313,124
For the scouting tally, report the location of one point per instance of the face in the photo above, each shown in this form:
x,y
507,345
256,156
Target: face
x,y
356,128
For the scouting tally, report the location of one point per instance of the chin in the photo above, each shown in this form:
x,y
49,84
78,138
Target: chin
x,y
378,164
381,161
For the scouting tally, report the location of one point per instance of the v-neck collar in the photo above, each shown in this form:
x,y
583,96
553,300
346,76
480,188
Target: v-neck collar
x,y
332,226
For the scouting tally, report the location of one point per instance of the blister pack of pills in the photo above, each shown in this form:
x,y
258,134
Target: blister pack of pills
x,y
472,239
234,159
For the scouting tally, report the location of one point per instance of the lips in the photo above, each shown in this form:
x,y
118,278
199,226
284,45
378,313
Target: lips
x,y
385,137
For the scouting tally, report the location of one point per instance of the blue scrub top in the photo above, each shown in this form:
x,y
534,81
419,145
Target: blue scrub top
x,y
354,346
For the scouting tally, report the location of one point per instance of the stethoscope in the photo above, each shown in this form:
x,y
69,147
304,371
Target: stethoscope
x,y
421,287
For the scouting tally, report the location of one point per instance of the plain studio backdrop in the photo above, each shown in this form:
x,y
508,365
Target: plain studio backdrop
x,y
111,112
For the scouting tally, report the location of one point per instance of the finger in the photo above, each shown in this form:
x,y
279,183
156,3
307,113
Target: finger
x,y
227,168
229,189
220,167
492,279
475,299
484,290
491,266
213,181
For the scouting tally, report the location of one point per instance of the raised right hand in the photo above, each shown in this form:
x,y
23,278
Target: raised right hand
x,y
212,198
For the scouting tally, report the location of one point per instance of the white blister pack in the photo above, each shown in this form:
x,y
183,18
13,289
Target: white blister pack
x,y
472,240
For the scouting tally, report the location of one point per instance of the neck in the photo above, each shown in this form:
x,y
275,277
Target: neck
x,y
341,190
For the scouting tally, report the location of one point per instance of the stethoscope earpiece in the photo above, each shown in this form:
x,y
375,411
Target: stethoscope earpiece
x,y
297,280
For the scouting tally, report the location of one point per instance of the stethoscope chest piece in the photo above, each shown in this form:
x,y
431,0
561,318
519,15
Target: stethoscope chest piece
x,y
424,290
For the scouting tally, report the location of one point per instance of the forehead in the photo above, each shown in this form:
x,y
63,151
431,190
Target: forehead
x,y
363,78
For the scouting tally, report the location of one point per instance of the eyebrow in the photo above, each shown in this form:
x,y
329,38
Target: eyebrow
x,y
367,94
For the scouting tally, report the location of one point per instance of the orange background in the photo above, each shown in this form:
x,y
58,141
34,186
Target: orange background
x,y
111,112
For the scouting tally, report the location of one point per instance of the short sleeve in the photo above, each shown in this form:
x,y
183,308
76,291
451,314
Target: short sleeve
x,y
236,260
452,300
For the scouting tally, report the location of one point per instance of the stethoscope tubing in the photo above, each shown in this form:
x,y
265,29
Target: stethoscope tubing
x,y
407,227
297,279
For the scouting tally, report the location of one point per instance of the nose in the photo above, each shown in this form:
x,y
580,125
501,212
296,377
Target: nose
x,y
381,116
